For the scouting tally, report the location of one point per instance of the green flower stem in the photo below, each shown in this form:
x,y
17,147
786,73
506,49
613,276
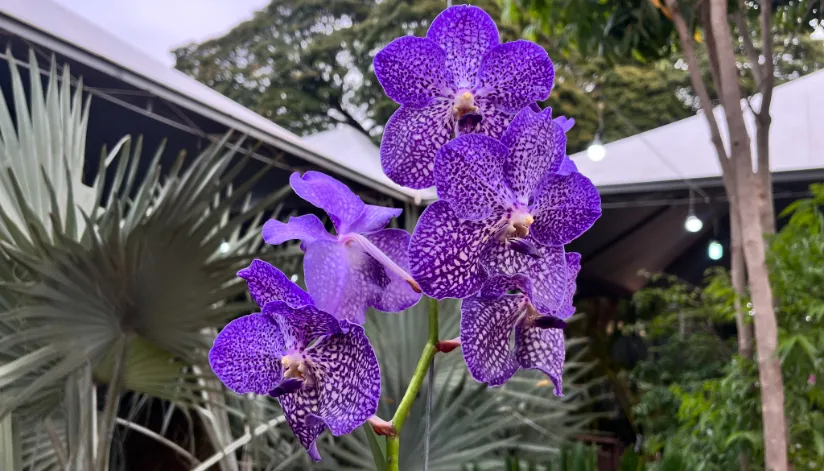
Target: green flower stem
x,y
393,445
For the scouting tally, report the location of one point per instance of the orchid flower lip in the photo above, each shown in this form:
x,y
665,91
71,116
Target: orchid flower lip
x,y
287,386
381,257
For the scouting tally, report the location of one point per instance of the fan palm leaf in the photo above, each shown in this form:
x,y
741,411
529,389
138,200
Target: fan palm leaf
x,y
118,286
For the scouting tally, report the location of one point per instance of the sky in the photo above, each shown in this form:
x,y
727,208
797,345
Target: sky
x,y
158,26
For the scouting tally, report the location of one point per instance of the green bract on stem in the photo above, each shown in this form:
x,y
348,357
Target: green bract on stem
x,y
428,354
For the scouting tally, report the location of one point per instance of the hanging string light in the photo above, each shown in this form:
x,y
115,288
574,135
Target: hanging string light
x,y
692,223
715,251
596,150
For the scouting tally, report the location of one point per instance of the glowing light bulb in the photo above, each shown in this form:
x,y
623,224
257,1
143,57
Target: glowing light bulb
x,y
224,247
715,250
596,150
294,278
693,224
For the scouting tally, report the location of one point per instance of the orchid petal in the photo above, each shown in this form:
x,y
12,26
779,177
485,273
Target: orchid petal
x,y
267,283
486,327
515,75
348,380
374,218
246,354
469,175
541,349
465,32
342,205
445,252
343,281
547,273
536,147
300,326
564,207
413,71
307,228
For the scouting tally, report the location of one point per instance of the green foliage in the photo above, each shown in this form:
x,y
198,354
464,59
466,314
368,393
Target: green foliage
x,y
308,66
697,397
641,30
120,285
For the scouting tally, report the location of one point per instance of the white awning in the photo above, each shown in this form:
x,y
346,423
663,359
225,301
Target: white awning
x,y
49,24
682,150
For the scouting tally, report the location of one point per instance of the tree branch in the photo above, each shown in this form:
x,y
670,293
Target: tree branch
x,y
698,83
350,120
749,47
768,74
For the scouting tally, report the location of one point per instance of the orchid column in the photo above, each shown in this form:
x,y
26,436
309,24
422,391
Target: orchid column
x,y
510,199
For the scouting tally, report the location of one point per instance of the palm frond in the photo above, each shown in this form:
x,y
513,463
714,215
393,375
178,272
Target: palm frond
x,y
470,422
147,264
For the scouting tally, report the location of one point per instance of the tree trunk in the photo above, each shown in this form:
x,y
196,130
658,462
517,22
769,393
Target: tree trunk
x,y
738,276
766,329
765,193
750,211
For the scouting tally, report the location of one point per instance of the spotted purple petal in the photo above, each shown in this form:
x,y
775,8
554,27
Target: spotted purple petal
x,y
413,71
495,120
486,327
536,147
343,280
410,141
287,386
445,252
541,349
565,123
307,228
499,285
567,166
300,326
516,74
373,218
573,262
565,206
469,175
398,294
348,380
267,283
330,195
465,32
246,354
547,273
299,409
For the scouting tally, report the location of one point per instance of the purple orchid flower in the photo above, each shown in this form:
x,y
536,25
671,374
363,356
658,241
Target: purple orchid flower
x,y
458,79
504,207
363,265
567,165
322,376
488,319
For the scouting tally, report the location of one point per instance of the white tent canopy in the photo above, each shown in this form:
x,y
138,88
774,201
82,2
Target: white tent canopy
x,y
683,150
354,147
47,23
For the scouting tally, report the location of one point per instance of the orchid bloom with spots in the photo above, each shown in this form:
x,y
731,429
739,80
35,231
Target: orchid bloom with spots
x,y
322,374
505,209
363,266
458,79
488,320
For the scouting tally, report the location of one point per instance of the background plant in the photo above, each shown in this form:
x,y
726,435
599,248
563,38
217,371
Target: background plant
x,y
711,409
